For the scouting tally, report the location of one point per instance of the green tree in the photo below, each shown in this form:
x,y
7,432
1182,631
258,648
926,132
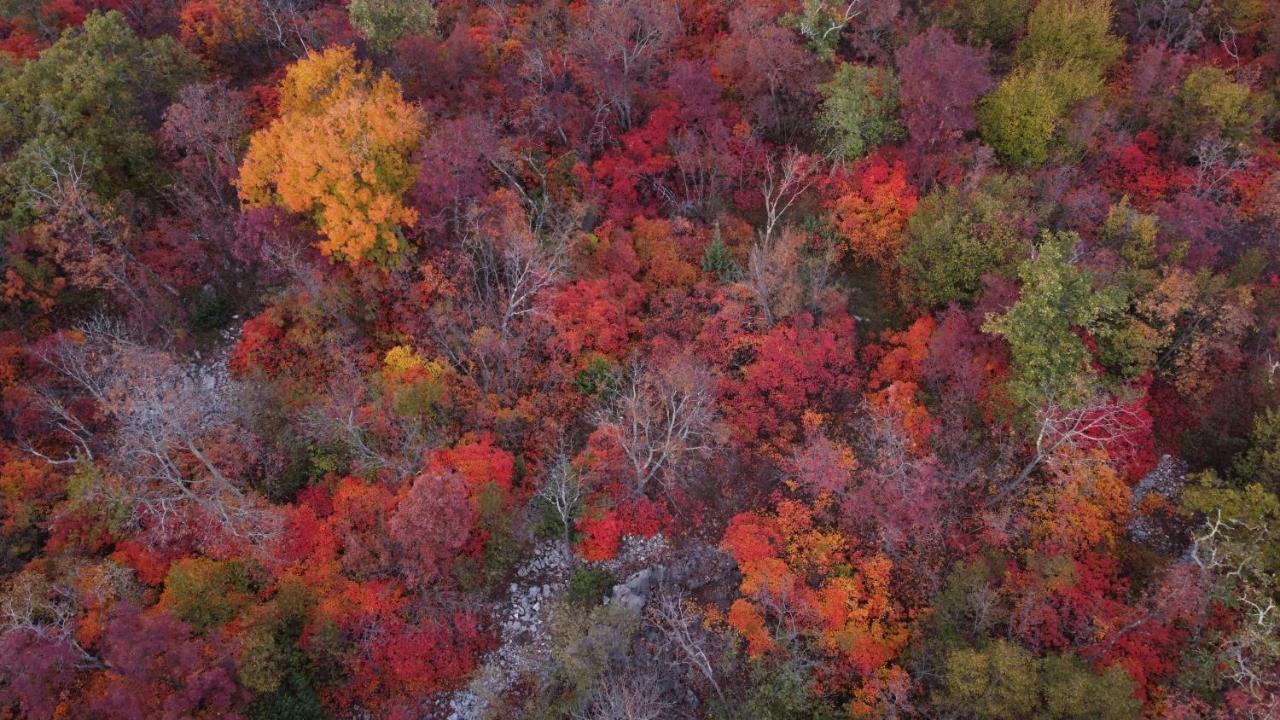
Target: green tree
x,y
382,22
1261,462
1212,102
997,22
860,109
1001,681
1071,32
1022,117
208,593
955,236
1074,692
717,260
997,682
273,665
1127,345
86,107
1050,361
783,690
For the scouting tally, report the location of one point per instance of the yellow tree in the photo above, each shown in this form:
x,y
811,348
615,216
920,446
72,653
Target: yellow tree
x,y
340,152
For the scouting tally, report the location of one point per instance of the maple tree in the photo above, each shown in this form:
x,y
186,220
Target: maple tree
x,y
847,610
872,212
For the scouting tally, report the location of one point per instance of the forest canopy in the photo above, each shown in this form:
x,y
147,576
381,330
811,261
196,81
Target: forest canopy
x,y
640,359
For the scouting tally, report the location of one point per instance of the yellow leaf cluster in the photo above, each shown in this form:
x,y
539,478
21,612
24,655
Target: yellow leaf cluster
x,y
403,359
340,153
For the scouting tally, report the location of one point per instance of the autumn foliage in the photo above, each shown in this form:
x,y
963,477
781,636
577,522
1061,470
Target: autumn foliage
x,y
637,359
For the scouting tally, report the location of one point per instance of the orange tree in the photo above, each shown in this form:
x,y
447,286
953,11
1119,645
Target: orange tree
x,y
339,152
804,582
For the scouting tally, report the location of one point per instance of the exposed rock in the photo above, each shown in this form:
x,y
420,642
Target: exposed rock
x,y
1165,480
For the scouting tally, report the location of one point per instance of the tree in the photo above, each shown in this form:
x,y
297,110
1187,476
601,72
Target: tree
x,y
628,698
208,593
859,109
1213,103
90,100
204,136
164,436
872,208
1050,362
684,632
824,21
432,524
801,579
789,274
1235,550
1020,119
955,237
769,69
455,163
1084,506
940,82
662,419
993,21
786,179
618,45
794,367
340,153
561,496
219,30
1261,462
994,683
1001,681
1072,691
42,655
205,132
1071,31
512,253
1098,423
35,673
382,22
158,668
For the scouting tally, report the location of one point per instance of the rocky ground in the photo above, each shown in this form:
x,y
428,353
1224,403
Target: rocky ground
x,y
524,644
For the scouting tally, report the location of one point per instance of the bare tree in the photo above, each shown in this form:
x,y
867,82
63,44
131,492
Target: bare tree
x,y
89,241
1232,552
562,493
164,431
684,631
786,274
634,696
1104,421
32,605
514,248
785,180
617,45
1178,24
663,417
823,21
383,442
284,25
1217,159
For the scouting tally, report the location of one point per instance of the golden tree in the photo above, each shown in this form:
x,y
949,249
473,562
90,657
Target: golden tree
x,y
340,152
